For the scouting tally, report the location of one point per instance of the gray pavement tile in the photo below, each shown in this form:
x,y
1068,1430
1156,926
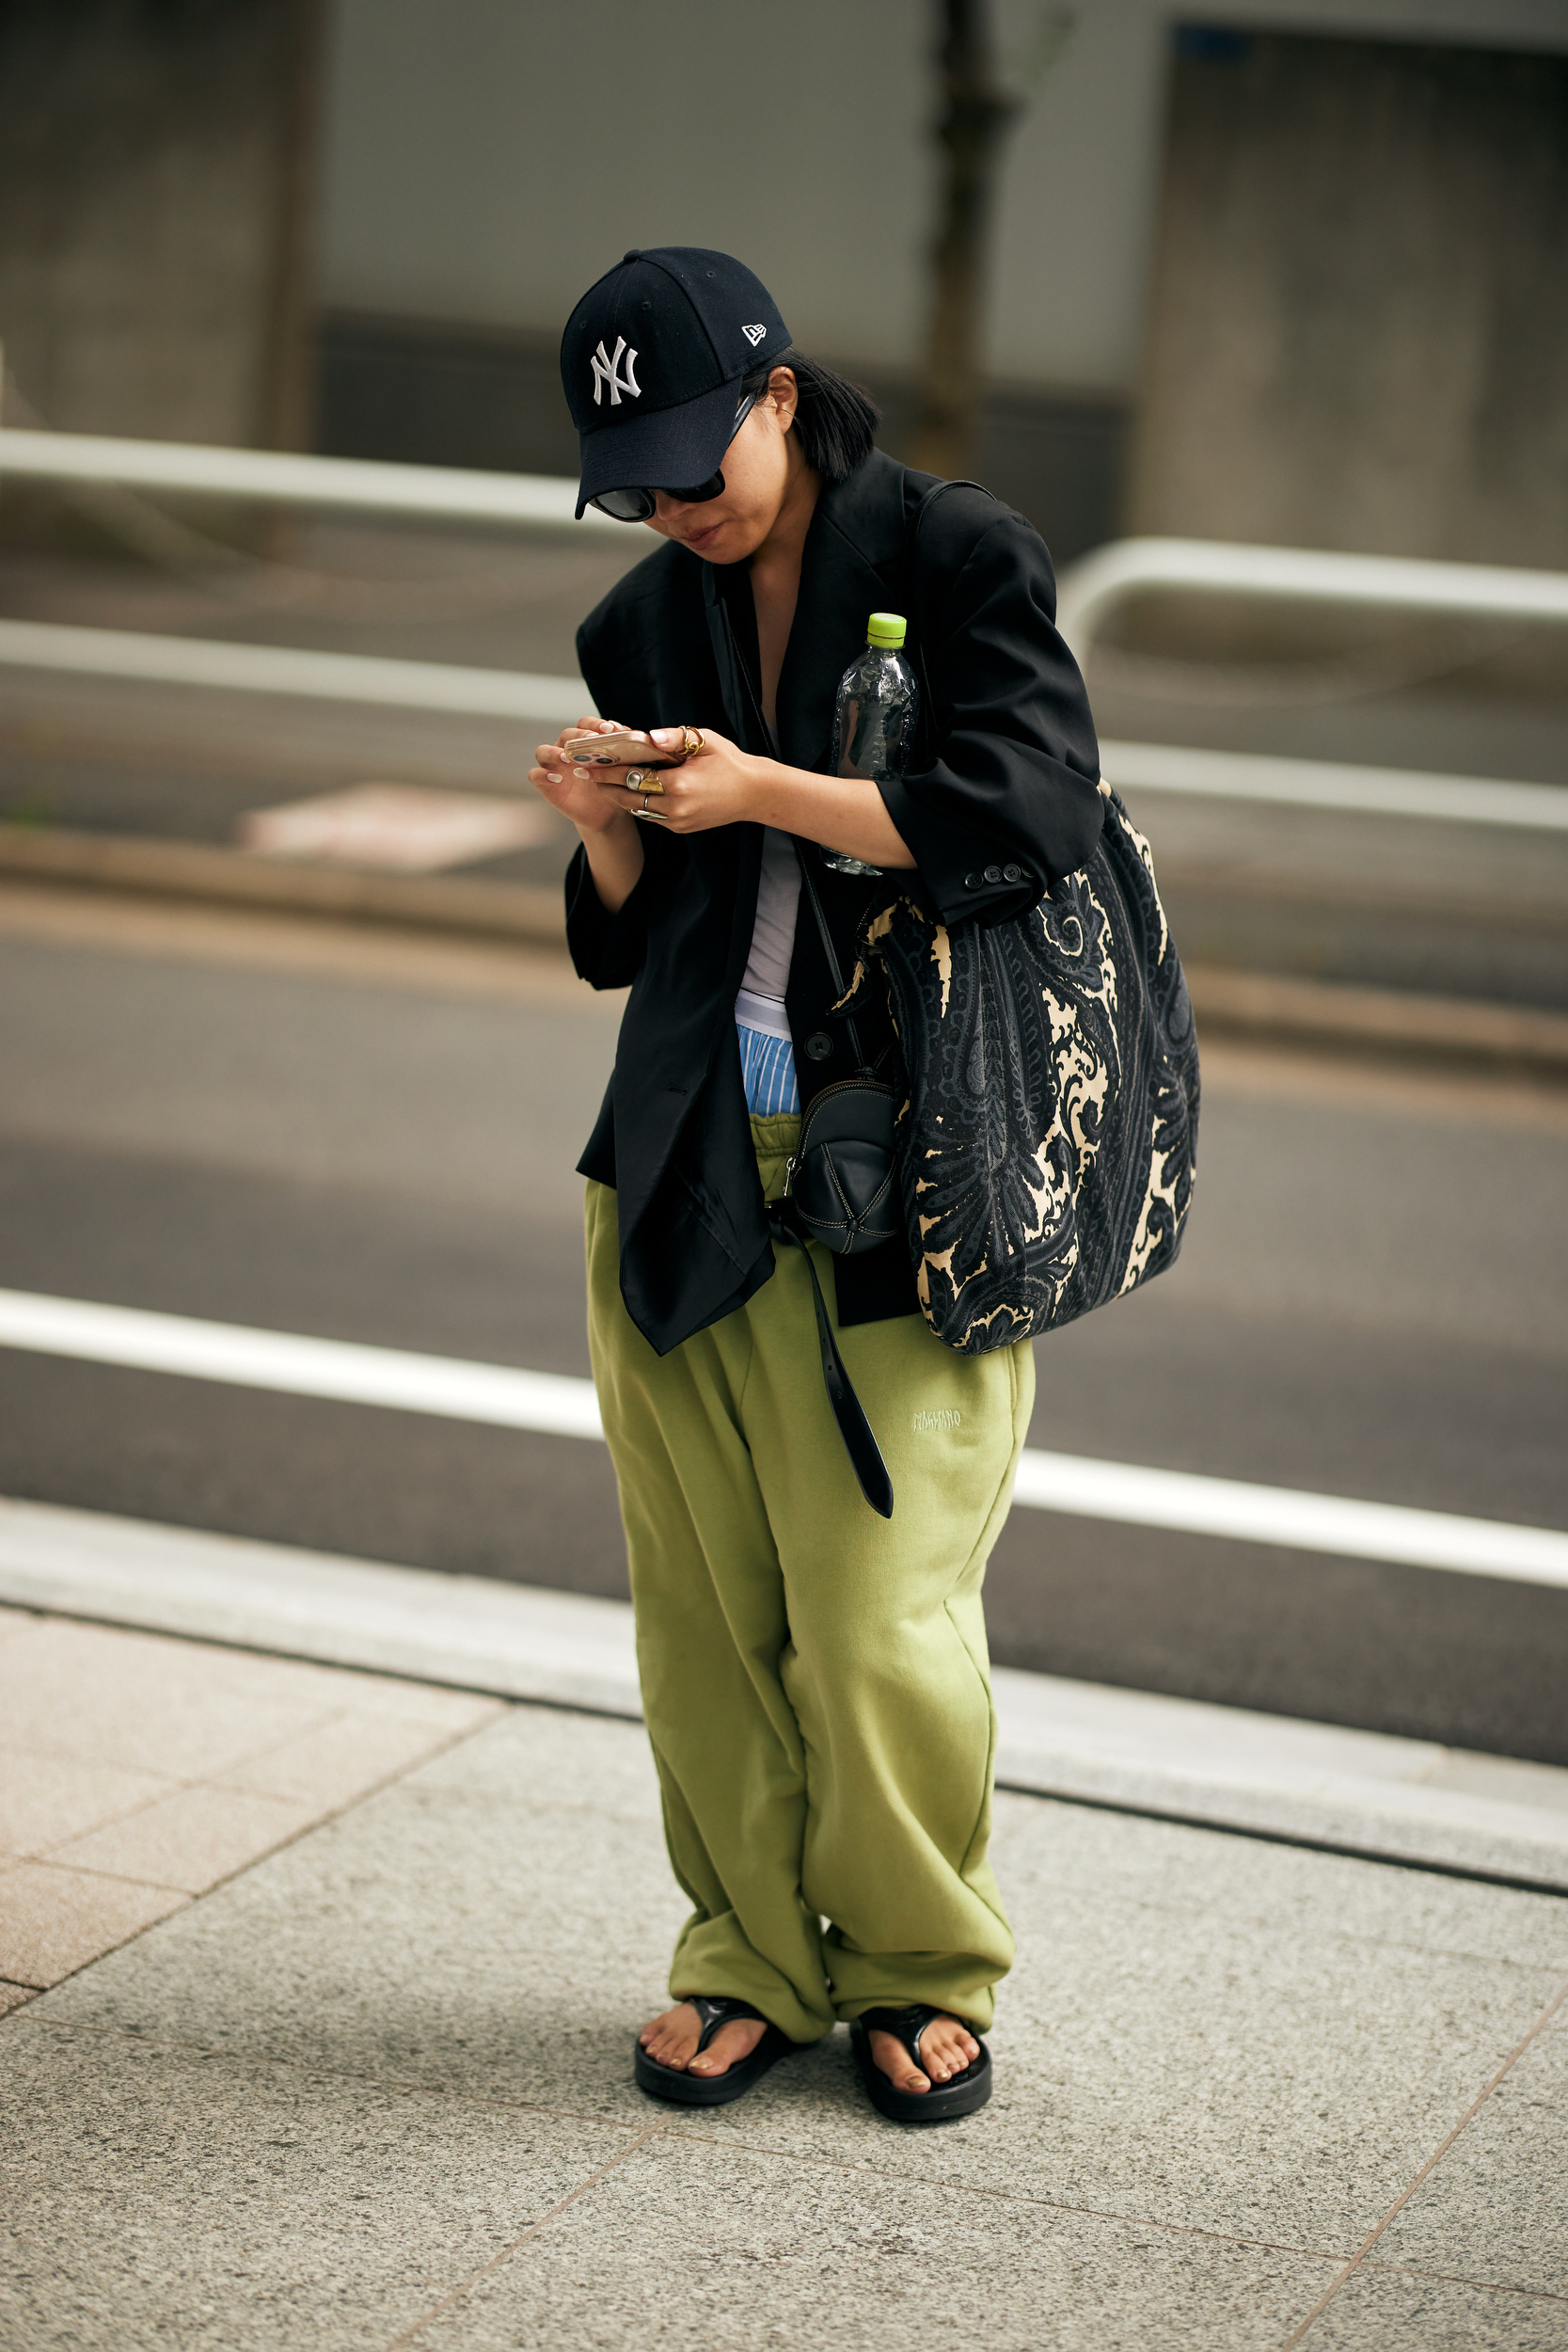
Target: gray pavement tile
x,y
1193,2057
546,1755
1382,2311
693,2245
345,1758
1288,1887
1496,2207
1195,2072
154,2197
502,1919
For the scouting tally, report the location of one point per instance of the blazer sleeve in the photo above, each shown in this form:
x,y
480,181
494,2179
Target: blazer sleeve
x,y
608,949
1010,798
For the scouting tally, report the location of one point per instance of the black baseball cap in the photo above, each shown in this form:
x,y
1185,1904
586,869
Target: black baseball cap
x,y
651,360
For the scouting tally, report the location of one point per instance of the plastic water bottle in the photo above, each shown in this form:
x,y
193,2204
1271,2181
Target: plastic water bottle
x,y
874,718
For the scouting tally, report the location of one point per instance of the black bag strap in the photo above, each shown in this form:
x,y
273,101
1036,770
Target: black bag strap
x,y
804,853
865,1457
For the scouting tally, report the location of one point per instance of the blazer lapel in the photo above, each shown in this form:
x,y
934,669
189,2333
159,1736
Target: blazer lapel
x,y
853,550
742,712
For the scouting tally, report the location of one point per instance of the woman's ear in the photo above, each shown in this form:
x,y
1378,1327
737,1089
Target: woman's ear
x,y
784,393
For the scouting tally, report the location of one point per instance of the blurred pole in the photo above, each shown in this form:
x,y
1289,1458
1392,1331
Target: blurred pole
x,y
288,392
979,110
976,114
287,416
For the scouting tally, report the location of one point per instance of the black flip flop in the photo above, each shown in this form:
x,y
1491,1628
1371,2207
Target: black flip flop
x,y
961,2094
712,2091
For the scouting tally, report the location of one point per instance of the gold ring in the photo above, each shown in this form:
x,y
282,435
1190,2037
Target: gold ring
x,y
643,780
691,741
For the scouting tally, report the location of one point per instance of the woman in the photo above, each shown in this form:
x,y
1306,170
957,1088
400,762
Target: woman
x,y
815,1679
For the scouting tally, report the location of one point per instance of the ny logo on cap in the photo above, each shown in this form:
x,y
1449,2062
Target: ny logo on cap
x,y
753,335
606,372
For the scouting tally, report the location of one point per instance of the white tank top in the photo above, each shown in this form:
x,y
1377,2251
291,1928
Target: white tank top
x,y
760,1004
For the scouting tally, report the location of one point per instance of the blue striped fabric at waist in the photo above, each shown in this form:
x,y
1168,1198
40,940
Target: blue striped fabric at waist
x,y
767,1069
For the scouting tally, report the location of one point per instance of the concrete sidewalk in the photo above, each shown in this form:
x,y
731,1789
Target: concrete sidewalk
x,y
376,2088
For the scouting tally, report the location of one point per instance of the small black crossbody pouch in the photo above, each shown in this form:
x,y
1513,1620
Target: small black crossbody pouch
x,y
841,1189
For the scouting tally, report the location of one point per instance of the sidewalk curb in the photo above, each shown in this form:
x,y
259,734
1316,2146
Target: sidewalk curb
x,y
1322,1013
1249,1004
1356,1793
200,871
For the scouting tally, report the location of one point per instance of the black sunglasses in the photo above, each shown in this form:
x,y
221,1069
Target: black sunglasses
x,y
639,506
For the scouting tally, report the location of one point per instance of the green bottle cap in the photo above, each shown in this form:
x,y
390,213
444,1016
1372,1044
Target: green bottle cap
x,y
885,628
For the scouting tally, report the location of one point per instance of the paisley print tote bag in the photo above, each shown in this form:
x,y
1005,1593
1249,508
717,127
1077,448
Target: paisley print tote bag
x,y
1047,1143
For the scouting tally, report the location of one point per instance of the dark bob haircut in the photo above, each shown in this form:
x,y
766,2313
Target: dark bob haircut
x,y
836,419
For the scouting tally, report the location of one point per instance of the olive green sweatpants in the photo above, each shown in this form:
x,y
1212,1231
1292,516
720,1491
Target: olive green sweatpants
x,y
815,1679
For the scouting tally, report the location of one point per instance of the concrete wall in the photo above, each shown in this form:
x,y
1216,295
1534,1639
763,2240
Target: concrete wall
x,y
1360,325
485,159
150,278
481,160
466,180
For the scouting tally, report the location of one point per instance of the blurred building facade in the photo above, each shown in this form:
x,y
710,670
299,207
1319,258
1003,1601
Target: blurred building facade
x,y
157,232
1293,276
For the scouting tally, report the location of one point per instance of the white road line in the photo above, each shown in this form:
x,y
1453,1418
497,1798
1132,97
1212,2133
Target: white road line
x,y
341,1369
507,1398
1179,1499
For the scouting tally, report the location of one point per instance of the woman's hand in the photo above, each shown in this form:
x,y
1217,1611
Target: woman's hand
x,y
568,785
722,785
608,837
718,785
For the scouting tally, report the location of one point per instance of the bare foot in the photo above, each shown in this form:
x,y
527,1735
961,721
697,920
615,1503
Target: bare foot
x,y
946,2047
673,2038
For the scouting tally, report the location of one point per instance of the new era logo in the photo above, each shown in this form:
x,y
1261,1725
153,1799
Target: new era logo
x,y
753,335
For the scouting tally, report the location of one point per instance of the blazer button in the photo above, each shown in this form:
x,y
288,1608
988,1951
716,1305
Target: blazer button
x,y
994,873
1012,873
971,881
820,1045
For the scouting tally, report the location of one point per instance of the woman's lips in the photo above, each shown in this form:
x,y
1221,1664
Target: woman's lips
x,y
701,538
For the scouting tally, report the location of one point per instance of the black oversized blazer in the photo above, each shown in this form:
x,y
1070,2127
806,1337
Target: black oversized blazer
x,y
1003,797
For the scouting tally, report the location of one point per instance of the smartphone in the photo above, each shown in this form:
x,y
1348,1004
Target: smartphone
x,y
625,747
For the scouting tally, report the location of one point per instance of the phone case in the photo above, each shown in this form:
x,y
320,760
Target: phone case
x,y
627,749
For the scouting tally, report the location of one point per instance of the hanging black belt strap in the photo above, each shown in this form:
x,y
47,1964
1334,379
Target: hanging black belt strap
x,y
865,1457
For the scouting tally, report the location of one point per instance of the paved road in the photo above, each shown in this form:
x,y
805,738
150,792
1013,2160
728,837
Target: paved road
x,y
373,1139
1451,909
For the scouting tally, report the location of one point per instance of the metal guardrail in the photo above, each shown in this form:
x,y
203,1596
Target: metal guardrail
x,y
351,678
1332,784
441,493
1090,591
